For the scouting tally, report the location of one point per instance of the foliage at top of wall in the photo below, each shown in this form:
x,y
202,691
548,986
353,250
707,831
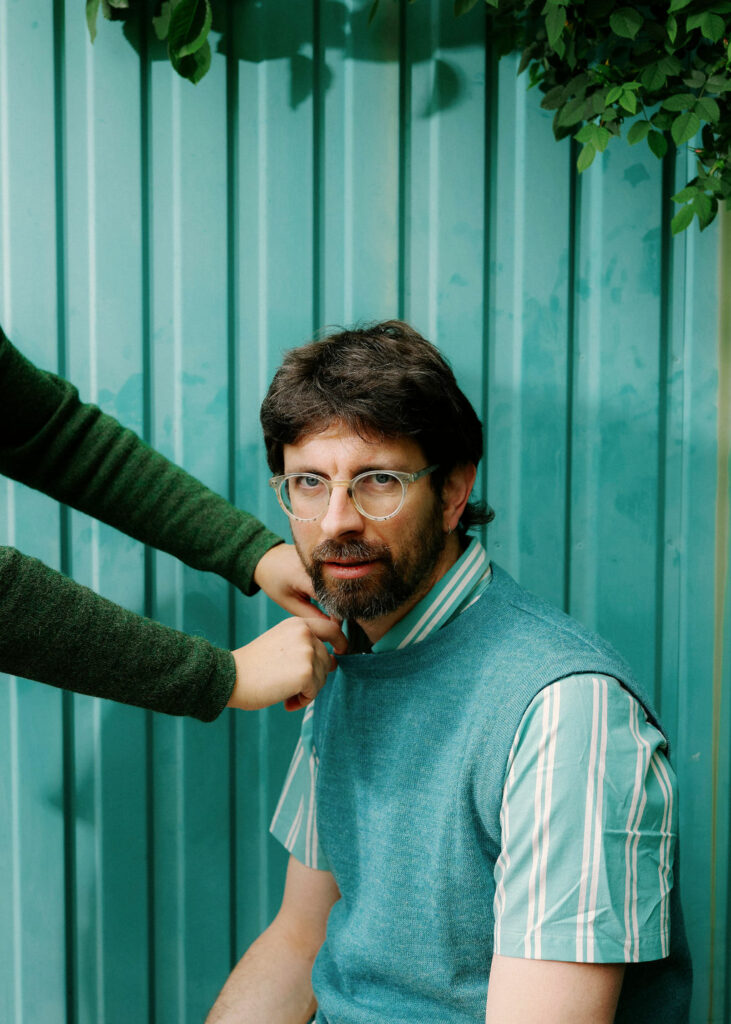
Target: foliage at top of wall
x,y
665,68
185,25
662,70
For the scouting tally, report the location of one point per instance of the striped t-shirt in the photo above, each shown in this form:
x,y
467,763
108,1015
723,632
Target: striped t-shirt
x,y
589,810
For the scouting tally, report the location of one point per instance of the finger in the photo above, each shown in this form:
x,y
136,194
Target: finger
x,y
296,703
330,632
300,604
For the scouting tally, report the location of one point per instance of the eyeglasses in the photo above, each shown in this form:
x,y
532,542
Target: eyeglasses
x,y
377,493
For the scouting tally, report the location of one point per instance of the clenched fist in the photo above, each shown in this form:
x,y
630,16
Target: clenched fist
x,y
289,662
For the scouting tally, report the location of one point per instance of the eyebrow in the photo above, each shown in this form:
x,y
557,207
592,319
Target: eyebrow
x,y
370,468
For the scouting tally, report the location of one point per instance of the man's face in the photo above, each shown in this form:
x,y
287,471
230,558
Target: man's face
x,y
365,569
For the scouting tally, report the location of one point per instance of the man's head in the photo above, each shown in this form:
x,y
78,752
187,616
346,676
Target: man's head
x,y
377,398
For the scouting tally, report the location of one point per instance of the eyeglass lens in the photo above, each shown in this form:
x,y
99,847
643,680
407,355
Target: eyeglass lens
x,y
377,494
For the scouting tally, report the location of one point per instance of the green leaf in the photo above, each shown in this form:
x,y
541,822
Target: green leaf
x,y
586,157
92,13
194,65
670,65
614,93
553,99
462,6
695,80
626,22
671,27
598,102
662,120
711,25
601,138
595,134
680,101
555,23
718,83
652,78
373,11
682,219
586,133
685,194
658,144
638,132
685,127
707,109
703,207
571,113
678,5
161,21
190,23
628,101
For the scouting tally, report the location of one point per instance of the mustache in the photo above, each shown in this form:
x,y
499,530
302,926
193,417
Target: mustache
x,y
357,550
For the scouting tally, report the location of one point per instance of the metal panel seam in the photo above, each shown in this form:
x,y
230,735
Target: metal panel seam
x,y
723,513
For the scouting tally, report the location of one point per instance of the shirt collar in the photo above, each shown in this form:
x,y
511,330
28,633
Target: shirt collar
x,y
455,591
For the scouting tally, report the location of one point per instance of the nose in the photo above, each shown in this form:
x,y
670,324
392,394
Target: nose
x,y
342,516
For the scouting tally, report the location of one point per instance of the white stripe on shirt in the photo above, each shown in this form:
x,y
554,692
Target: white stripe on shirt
x,y
639,798
294,831
461,579
598,819
664,866
581,916
291,774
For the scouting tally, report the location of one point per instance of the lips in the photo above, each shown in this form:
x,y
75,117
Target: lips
x,y
349,569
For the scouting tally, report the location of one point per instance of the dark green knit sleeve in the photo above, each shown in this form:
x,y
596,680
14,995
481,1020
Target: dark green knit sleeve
x,y
56,631
74,452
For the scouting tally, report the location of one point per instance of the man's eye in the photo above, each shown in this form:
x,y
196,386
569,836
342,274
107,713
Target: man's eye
x,y
384,479
308,482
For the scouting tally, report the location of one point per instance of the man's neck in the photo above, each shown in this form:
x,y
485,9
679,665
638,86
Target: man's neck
x,y
374,629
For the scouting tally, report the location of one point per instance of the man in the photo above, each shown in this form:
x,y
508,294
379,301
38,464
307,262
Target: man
x,y
480,812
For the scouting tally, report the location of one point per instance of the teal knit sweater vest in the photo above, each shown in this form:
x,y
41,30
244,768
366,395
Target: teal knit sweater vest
x,y
413,746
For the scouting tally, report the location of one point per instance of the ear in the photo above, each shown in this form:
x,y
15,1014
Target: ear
x,y
455,493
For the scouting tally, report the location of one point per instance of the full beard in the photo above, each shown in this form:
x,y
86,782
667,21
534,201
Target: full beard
x,y
387,587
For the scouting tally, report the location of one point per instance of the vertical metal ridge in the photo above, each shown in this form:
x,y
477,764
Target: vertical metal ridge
x,y
490,243
67,700
14,757
404,162
348,239
571,315
262,138
5,173
318,127
433,178
664,362
721,546
232,264
145,115
176,197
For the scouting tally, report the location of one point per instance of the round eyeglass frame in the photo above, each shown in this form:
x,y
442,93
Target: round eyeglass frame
x,y
404,479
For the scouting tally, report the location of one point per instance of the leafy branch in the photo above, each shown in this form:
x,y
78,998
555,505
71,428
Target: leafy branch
x,y
185,25
663,68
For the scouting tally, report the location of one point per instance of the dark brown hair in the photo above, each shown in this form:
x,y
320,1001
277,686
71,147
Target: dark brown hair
x,y
381,380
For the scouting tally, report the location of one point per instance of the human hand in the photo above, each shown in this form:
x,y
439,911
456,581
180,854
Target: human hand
x,y
289,662
281,575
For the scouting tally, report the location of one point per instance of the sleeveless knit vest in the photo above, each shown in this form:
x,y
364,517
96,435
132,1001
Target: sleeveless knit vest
x,y
413,746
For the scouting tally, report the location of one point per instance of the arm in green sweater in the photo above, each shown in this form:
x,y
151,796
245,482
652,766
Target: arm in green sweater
x,y
56,631
72,451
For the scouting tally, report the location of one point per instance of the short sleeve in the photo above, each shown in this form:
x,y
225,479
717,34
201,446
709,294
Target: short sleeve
x,y
588,826
295,819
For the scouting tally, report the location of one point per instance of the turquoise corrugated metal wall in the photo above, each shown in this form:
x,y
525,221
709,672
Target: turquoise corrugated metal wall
x,y
161,245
